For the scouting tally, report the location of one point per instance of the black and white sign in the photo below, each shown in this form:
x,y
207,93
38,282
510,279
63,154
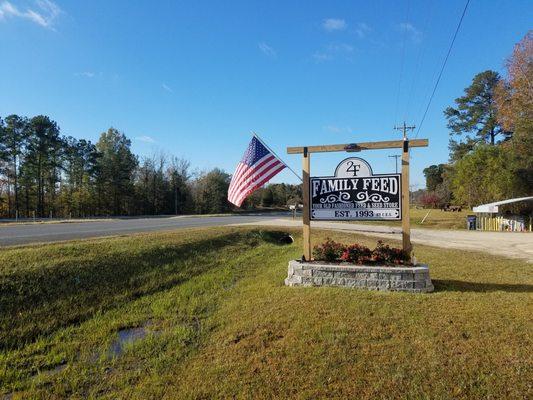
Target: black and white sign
x,y
355,193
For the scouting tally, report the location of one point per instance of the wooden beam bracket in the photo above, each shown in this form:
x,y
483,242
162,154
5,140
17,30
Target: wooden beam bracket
x,y
352,148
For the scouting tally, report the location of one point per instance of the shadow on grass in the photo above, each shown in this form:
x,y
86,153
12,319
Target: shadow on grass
x,y
40,301
273,237
443,285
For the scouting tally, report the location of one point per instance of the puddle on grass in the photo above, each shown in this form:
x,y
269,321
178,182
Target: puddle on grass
x,y
125,337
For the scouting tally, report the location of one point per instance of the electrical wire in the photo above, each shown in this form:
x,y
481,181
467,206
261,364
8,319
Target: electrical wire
x,y
402,62
442,68
420,58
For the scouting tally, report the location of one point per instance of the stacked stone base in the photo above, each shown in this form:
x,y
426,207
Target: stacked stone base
x,y
404,279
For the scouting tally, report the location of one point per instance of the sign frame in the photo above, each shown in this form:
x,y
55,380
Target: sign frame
x,y
398,176
404,144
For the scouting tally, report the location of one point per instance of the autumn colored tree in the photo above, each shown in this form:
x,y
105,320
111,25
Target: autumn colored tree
x,y
429,199
514,95
514,98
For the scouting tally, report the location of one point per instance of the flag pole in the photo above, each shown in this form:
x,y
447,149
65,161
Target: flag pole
x,y
278,157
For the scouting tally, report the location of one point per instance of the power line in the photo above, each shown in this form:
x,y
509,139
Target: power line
x,y
442,68
421,53
402,62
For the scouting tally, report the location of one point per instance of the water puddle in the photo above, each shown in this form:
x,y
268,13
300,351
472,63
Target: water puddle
x,y
126,337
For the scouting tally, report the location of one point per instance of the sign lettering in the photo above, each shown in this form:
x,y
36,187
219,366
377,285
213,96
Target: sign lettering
x,y
355,193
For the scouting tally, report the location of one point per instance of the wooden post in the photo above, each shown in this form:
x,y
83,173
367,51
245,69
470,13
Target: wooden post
x,y
406,223
306,167
350,147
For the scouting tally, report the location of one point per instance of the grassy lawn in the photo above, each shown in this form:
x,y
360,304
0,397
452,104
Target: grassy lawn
x,y
437,219
215,321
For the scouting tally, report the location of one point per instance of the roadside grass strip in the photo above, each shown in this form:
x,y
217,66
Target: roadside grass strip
x,y
204,313
436,219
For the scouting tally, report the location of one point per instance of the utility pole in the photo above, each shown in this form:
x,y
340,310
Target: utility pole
x,y
396,156
404,129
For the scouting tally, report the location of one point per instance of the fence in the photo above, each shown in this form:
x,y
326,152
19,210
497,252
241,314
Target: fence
x,y
500,223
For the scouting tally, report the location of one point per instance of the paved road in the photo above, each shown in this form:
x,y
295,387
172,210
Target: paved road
x,y
509,244
52,232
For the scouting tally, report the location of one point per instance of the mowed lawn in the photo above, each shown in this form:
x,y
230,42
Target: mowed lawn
x,y
213,319
436,219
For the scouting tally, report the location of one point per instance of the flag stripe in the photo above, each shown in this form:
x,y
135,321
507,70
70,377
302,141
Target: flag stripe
x,y
254,177
257,178
251,174
276,170
234,179
256,168
246,171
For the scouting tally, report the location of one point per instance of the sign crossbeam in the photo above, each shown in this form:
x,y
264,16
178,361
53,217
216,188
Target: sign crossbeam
x,y
348,197
354,147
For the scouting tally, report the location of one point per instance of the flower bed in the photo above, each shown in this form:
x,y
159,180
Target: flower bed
x,y
357,266
383,255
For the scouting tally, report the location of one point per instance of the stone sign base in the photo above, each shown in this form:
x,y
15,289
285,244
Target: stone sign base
x,y
400,278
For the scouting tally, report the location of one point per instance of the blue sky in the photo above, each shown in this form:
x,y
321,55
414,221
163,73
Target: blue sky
x,y
192,79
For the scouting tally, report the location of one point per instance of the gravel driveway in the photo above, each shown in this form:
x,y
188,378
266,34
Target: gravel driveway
x,y
508,244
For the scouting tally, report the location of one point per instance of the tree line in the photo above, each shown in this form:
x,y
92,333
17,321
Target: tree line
x,y
46,174
491,138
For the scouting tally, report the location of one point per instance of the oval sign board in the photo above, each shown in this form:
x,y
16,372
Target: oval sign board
x,y
353,167
355,193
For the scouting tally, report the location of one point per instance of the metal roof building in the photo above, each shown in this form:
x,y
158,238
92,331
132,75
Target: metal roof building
x,y
493,207
486,221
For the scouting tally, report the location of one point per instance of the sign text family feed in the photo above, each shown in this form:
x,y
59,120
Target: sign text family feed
x,y
361,197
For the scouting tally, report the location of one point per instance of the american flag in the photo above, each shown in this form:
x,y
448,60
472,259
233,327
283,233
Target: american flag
x,y
257,167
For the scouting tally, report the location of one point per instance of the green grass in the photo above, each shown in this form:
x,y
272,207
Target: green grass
x,y
437,219
223,324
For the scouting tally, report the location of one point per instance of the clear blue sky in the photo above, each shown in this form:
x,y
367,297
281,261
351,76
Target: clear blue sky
x,y
194,78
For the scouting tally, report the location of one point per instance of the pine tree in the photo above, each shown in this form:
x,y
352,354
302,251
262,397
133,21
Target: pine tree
x,y
474,118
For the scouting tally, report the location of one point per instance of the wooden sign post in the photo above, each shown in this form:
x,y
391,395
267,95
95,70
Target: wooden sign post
x,y
356,147
306,170
406,220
